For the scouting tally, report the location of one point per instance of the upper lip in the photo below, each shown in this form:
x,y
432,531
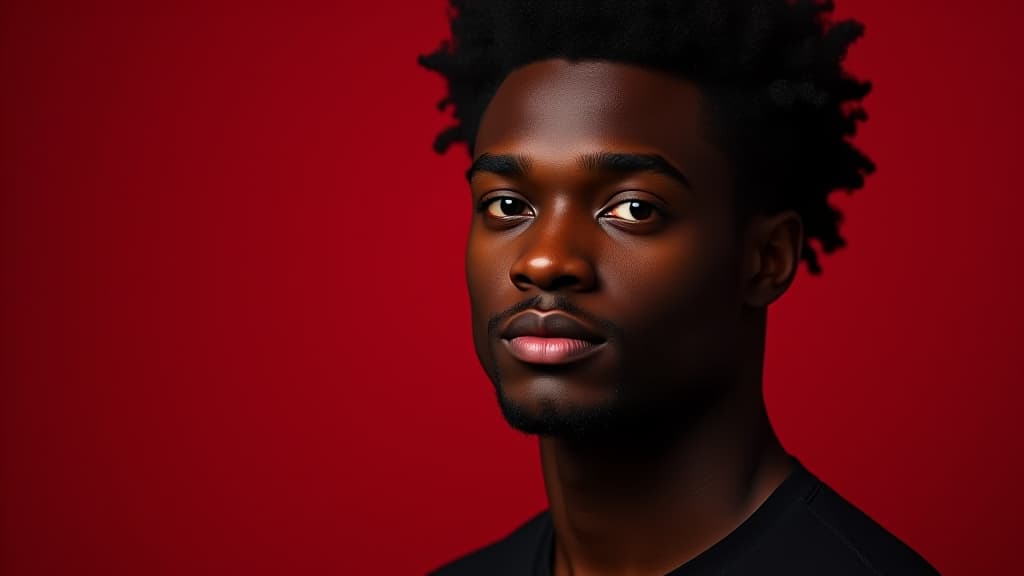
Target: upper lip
x,y
551,325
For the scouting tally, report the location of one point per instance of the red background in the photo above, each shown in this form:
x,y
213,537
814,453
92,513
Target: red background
x,y
235,331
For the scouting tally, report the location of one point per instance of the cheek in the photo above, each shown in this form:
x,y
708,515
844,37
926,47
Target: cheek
x,y
487,274
487,280
673,298
645,281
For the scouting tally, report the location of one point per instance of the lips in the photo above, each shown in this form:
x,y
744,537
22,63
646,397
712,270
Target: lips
x,y
553,338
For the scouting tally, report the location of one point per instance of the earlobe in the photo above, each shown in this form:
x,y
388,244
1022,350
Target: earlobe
x,y
753,261
774,249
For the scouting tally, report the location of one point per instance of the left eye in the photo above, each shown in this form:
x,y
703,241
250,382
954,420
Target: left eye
x,y
633,210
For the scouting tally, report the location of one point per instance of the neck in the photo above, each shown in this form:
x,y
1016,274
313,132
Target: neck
x,y
617,509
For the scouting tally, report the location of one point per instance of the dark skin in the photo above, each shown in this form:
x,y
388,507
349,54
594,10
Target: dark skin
x,y
670,447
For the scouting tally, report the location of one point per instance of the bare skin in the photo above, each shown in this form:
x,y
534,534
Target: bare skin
x,y
656,261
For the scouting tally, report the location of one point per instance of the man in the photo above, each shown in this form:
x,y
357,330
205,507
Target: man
x,y
647,177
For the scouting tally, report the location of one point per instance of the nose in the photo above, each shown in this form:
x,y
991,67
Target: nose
x,y
556,257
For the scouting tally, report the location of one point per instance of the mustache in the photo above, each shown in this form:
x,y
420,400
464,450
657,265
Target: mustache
x,y
546,303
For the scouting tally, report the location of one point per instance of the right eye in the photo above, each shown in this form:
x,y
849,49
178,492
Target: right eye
x,y
506,207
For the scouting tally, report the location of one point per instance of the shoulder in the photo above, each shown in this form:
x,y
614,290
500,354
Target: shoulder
x,y
822,532
514,554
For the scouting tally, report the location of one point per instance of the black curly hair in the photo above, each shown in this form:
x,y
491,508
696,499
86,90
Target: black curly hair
x,y
770,70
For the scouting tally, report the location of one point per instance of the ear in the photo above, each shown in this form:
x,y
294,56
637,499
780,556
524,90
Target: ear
x,y
772,255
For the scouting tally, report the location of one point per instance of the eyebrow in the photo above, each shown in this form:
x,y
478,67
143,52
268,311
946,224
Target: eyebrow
x,y
628,163
509,165
513,165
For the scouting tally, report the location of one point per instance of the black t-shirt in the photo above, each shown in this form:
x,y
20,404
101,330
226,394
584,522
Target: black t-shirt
x,y
804,527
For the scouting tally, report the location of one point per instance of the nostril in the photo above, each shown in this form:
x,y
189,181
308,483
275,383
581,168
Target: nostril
x,y
521,280
563,281
550,273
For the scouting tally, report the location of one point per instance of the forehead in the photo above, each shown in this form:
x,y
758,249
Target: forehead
x,y
556,105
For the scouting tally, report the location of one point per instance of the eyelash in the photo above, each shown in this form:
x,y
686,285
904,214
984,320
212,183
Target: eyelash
x,y
482,206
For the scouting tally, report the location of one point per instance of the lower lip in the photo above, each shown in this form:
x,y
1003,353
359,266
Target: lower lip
x,y
537,350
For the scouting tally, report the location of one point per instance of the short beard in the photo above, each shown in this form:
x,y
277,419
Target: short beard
x,y
623,420
575,423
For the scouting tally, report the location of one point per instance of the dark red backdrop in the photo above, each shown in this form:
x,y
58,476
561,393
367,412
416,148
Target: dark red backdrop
x,y
235,332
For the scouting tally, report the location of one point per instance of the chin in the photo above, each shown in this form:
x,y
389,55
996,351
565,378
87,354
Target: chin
x,y
556,415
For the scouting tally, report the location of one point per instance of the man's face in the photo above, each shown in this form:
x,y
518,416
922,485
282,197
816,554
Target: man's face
x,y
599,199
